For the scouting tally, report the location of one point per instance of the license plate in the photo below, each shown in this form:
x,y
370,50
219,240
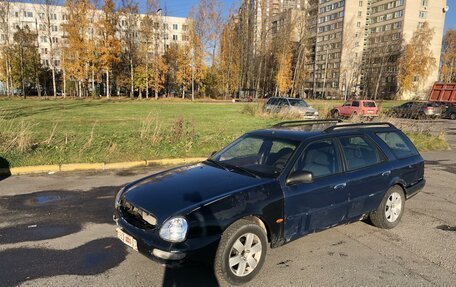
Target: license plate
x,y
370,112
127,239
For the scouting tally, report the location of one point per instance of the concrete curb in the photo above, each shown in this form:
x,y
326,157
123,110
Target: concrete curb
x,y
101,166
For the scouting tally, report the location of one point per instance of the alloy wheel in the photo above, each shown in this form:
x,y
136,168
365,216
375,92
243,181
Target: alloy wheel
x,y
245,254
393,207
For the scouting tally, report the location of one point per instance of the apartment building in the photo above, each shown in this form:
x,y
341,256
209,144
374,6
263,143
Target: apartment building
x,y
354,45
47,21
390,24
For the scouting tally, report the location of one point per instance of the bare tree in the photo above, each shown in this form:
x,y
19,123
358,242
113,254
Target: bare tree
x,y
6,45
129,31
46,15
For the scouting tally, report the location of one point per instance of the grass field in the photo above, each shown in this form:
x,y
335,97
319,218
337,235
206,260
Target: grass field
x,y
34,132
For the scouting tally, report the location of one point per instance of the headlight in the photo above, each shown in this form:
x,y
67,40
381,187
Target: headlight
x,y
174,229
118,196
316,113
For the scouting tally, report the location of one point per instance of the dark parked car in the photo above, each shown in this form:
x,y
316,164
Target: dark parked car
x,y
450,112
270,187
417,110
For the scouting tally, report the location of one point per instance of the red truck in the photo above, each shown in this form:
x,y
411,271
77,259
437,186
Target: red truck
x,y
445,93
362,108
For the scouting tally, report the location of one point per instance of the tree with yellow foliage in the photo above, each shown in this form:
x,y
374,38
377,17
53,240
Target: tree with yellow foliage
x,y
76,56
416,61
448,71
109,49
284,80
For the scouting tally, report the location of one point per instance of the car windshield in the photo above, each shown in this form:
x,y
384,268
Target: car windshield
x,y
369,104
256,156
298,103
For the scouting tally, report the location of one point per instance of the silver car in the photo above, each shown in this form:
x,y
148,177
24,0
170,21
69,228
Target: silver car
x,y
291,105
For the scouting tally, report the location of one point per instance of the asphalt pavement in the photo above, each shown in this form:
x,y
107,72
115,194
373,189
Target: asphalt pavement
x,y
57,230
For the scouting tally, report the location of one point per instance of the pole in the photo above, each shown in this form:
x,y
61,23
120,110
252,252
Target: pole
x,y
193,82
326,70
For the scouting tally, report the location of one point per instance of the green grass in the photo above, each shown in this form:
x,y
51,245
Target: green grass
x,y
34,132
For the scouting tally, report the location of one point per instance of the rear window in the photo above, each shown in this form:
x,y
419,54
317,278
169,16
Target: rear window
x,y
400,146
369,104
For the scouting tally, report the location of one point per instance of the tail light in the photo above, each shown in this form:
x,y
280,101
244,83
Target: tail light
x,y
430,108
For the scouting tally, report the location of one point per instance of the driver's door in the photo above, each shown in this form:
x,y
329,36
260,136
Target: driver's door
x,y
323,203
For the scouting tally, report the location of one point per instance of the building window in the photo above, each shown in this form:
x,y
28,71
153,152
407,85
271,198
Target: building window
x,y
166,37
175,26
358,24
55,28
423,14
175,37
420,25
360,3
53,16
165,26
360,13
16,14
184,27
424,2
185,38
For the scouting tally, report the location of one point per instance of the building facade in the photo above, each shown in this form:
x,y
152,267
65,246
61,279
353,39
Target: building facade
x,y
353,46
48,20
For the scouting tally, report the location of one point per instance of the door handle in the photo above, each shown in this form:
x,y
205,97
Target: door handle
x,y
386,173
340,186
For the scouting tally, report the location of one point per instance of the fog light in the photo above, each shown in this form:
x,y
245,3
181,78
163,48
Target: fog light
x,y
168,255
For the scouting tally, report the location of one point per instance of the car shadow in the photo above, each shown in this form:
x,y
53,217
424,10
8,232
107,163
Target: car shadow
x,y
19,265
196,275
5,171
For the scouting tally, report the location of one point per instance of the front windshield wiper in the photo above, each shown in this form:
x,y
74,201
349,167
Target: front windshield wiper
x,y
244,170
217,163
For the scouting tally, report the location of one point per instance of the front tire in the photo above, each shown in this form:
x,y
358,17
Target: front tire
x,y
390,211
453,116
241,253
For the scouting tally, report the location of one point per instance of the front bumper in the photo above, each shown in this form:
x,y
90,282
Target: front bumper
x,y
166,253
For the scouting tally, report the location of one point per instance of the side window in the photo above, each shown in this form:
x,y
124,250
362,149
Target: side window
x,y
355,104
269,101
320,158
398,145
359,153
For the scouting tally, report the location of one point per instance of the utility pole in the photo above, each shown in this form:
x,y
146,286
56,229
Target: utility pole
x,y
326,70
193,80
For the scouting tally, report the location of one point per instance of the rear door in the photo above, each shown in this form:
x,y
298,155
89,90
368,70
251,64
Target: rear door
x,y
368,173
314,206
410,164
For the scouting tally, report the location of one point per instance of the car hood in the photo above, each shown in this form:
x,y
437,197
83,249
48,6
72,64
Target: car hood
x,y
181,190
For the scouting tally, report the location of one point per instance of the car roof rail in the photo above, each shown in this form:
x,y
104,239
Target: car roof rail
x,y
360,125
305,122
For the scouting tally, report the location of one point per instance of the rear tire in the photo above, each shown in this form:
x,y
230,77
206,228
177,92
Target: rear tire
x,y
453,116
390,211
336,114
241,253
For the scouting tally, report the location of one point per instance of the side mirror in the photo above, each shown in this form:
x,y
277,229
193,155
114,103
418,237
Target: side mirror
x,y
300,177
214,152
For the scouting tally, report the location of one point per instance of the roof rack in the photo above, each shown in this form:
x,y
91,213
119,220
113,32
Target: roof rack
x,y
360,125
305,122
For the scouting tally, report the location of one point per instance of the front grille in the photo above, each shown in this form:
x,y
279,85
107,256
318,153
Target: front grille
x,y
309,113
135,216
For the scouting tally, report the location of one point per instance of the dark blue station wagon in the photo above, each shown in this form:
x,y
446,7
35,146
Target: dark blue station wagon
x,y
270,187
